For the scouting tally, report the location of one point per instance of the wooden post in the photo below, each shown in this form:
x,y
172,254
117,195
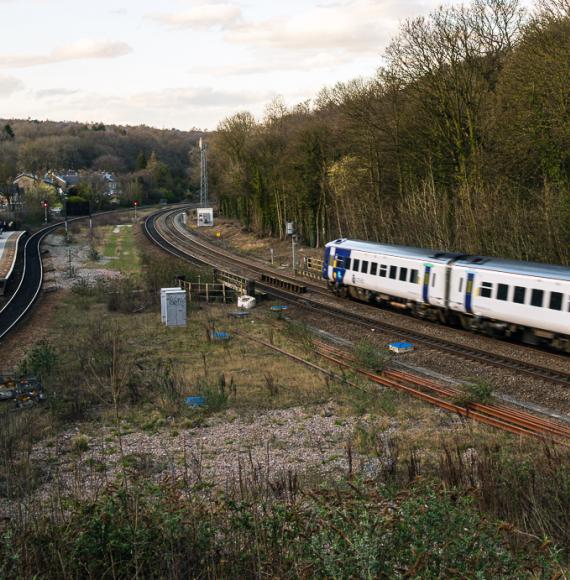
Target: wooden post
x,y
224,292
207,295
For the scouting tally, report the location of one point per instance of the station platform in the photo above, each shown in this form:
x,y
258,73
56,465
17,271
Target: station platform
x,y
8,253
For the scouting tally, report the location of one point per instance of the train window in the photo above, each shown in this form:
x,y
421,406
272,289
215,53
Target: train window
x,y
347,263
383,269
393,271
364,267
414,276
555,301
486,290
356,265
403,274
519,295
433,281
537,298
373,269
460,285
503,292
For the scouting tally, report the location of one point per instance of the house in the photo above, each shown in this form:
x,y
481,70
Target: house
x,y
112,185
25,182
65,183
22,185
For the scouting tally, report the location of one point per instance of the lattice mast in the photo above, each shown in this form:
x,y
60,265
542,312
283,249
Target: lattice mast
x,y
203,174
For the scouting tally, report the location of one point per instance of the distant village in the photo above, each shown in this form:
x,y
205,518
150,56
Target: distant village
x,y
60,185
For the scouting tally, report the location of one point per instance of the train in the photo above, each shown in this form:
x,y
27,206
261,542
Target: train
x,y
526,301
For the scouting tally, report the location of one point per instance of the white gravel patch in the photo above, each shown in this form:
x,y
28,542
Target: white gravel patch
x,y
61,272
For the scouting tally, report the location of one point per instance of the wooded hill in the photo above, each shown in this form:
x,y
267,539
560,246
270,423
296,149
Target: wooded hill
x,y
460,141
151,163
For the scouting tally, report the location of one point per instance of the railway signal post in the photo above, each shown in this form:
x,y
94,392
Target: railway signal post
x,y
290,229
45,205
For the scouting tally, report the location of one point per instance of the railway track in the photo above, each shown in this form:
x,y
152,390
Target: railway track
x,y
30,283
162,228
493,414
31,279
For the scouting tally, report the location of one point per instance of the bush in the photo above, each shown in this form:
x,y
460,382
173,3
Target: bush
x,y
152,531
369,356
477,391
216,394
40,360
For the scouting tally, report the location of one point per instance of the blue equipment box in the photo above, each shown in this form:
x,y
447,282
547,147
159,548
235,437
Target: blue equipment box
x,y
400,347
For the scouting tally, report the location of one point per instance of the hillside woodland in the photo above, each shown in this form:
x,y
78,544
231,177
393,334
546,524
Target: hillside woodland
x,y
151,164
461,140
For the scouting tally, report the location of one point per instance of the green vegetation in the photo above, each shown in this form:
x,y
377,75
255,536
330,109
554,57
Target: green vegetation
x,y
368,355
120,247
476,391
36,147
360,531
461,136
40,360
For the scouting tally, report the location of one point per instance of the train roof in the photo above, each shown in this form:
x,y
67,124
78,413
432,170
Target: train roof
x,y
534,269
393,250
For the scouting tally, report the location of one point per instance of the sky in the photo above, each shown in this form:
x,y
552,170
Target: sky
x,y
184,63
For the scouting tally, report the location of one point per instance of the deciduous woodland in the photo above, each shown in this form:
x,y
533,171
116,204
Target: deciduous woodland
x,y
461,140
149,164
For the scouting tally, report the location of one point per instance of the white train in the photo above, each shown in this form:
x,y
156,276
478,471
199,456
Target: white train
x,y
508,298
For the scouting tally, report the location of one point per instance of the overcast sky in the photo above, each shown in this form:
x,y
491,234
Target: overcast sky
x,y
184,63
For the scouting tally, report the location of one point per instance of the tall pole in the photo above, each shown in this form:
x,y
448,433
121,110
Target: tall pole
x,y
66,225
203,174
293,251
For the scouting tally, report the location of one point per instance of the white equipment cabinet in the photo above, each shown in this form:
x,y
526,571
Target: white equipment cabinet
x,y
205,216
173,306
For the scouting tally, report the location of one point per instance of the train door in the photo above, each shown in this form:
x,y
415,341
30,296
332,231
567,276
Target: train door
x,y
340,263
326,262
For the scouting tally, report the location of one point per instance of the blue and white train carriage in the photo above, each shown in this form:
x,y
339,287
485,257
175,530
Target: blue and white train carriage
x,y
499,297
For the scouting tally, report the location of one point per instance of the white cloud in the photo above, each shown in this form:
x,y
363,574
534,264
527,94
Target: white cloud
x,y
355,26
280,63
84,49
54,92
205,17
176,98
182,107
9,85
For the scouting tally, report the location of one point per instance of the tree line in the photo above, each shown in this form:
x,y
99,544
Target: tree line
x,y
461,141
151,164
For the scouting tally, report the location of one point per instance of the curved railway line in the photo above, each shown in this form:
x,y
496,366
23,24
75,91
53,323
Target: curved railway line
x,y
165,230
30,284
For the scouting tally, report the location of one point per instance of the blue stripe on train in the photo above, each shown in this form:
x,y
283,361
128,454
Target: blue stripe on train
x,y
469,293
427,275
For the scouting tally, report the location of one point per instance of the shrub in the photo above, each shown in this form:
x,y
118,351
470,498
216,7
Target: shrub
x,y
40,360
370,356
347,532
477,391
